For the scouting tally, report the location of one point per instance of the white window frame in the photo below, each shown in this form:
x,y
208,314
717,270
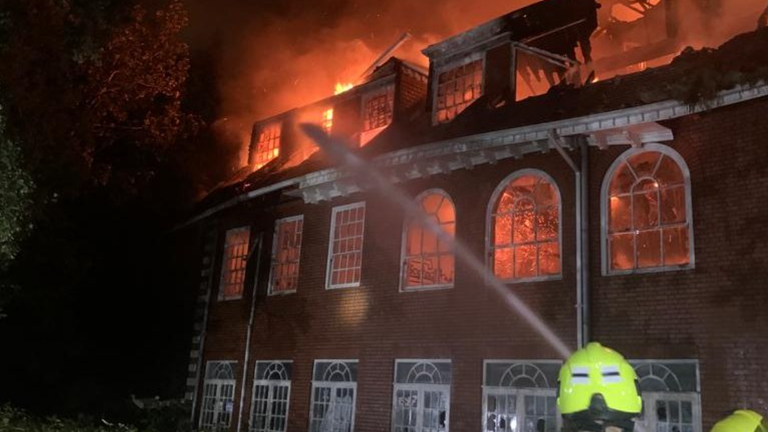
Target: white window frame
x,y
519,393
404,246
333,386
650,398
224,262
275,247
272,385
605,208
489,227
218,384
421,388
451,65
329,265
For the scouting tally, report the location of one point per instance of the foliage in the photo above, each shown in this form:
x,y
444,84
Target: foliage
x,y
15,191
16,420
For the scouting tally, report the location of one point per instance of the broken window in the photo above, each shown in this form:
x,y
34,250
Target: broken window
x,y
428,261
525,224
286,254
377,113
267,144
233,263
218,396
456,89
422,395
346,254
334,393
648,215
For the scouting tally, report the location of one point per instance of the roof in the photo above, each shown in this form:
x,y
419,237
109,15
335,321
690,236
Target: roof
x,y
693,78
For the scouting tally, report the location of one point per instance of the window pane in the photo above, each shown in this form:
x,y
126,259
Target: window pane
x,y
645,210
620,218
503,263
503,230
545,194
622,247
525,261
446,269
676,246
649,249
549,259
456,89
644,164
547,224
673,205
524,222
669,173
622,180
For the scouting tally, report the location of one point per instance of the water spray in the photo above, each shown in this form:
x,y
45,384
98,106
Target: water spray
x,y
340,154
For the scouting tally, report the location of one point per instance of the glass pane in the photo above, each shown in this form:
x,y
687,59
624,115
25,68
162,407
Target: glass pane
x,y
622,248
645,210
644,164
524,222
622,180
502,230
524,185
446,212
669,173
649,249
620,217
525,261
673,205
446,269
503,263
545,194
661,410
674,411
547,224
431,203
506,202
676,246
549,259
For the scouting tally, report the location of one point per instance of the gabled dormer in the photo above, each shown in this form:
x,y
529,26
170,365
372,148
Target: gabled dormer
x,y
520,54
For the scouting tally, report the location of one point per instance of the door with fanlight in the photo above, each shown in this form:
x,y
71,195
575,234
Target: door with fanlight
x,y
671,398
421,396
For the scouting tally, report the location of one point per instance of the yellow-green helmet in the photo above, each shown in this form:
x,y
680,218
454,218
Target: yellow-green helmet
x,y
597,386
742,421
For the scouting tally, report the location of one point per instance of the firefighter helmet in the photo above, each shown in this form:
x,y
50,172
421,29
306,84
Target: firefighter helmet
x,y
742,421
598,388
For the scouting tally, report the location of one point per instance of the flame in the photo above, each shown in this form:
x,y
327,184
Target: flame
x,y
342,87
328,120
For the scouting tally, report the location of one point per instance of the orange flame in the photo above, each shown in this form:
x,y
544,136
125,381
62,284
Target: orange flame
x,y
342,87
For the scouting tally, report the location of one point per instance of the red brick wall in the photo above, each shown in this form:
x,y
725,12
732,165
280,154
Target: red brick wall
x,y
411,91
715,313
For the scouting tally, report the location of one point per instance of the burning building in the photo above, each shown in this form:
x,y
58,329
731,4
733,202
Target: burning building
x,y
626,210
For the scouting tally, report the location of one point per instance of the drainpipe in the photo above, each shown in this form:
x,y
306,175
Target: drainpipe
x,y
582,258
249,328
584,252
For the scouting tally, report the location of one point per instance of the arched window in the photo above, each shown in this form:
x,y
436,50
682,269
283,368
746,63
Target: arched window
x,y
646,201
524,240
427,261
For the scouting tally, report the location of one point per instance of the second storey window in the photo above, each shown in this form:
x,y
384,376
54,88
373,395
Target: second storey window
x,y
286,254
457,87
646,202
267,145
233,263
427,261
345,254
525,228
377,113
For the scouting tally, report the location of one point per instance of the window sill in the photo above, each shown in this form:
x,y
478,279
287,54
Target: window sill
x,y
650,270
427,288
532,279
226,299
336,287
280,293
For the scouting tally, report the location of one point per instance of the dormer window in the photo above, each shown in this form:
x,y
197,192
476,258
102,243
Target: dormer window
x,y
267,144
328,120
457,87
377,113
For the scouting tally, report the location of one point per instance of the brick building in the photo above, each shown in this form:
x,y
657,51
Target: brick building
x,y
616,211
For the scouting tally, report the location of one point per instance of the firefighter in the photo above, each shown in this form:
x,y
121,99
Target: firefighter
x,y
598,391
742,421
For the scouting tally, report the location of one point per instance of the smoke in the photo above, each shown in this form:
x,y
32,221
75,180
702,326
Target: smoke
x,y
274,55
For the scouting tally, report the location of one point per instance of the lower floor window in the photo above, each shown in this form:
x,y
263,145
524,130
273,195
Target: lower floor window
x,y
421,396
271,396
520,396
671,398
334,392
218,396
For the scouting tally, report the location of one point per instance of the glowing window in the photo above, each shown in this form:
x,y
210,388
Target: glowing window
x,y
267,145
427,261
218,396
346,246
328,120
233,264
286,254
525,228
456,89
647,209
377,113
